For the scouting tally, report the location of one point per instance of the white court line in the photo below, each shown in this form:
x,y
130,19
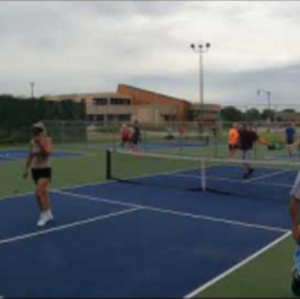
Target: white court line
x,y
230,180
177,213
16,196
63,187
66,226
109,201
137,208
237,266
267,175
207,177
12,158
113,181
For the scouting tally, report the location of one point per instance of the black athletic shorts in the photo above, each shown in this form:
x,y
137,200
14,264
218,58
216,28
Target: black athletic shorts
x,y
41,173
135,140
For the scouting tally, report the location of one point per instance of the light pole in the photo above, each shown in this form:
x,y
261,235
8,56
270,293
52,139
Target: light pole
x,y
200,48
32,88
268,93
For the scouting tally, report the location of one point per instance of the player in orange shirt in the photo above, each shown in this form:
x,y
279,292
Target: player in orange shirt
x,y
233,138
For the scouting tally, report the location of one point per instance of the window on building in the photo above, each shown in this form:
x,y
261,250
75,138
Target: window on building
x,y
90,117
118,101
169,117
111,117
124,117
100,117
100,101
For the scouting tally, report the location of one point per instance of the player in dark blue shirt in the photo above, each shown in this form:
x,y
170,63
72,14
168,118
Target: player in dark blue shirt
x,y
136,136
289,137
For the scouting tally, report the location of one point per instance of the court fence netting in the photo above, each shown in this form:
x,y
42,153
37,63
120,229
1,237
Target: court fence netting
x,y
179,138
270,180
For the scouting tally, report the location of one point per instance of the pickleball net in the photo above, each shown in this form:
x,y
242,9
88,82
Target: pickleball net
x,y
271,180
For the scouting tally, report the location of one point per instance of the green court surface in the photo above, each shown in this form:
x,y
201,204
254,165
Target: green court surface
x,y
267,275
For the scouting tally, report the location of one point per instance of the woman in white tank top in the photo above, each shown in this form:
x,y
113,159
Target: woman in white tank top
x,y
39,162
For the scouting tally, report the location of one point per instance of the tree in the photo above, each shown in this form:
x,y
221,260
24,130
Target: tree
x,y
230,113
252,114
268,114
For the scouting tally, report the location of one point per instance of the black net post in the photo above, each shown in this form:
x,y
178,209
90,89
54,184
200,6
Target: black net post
x,y
108,165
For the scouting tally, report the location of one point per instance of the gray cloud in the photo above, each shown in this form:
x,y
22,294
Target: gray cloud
x,y
88,46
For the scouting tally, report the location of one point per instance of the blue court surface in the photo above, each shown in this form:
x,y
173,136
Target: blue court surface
x,y
21,154
120,239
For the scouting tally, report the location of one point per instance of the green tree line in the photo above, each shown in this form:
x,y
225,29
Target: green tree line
x,y
18,114
231,113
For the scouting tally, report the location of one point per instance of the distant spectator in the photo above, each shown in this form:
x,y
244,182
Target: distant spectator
x,y
136,136
214,131
289,137
181,131
233,138
169,133
125,137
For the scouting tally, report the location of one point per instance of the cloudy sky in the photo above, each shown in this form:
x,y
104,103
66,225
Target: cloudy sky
x,y
82,46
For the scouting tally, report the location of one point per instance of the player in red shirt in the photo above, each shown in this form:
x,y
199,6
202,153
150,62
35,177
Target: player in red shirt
x,y
125,137
181,131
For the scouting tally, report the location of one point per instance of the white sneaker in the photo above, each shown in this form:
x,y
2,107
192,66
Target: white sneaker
x,y
43,219
49,215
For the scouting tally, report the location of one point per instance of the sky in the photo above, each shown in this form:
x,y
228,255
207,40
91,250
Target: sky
x,y
92,46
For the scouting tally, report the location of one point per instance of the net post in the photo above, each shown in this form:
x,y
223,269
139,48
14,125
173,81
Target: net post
x,y
203,177
108,165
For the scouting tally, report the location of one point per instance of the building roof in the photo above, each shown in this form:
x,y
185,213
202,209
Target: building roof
x,y
97,94
155,93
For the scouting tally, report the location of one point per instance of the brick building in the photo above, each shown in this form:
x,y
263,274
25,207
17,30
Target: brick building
x,y
288,115
129,103
210,112
144,97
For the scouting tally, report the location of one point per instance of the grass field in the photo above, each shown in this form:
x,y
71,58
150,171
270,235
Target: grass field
x,y
268,275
